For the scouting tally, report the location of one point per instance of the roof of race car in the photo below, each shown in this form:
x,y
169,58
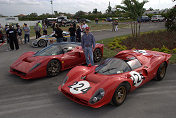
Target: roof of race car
x,y
68,43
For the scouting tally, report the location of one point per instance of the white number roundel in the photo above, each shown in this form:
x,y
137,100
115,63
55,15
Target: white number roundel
x,y
136,77
79,87
141,51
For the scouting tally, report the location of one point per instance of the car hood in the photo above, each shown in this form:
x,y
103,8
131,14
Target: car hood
x,y
25,65
84,88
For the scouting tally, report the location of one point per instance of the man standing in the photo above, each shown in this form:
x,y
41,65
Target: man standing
x,y
44,27
113,26
84,26
88,44
37,30
19,34
58,33
12,36
72,31
26,33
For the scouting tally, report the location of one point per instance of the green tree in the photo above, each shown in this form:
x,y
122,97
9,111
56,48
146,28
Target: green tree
x,y
79,14
134,9
109,10
171,19
95,11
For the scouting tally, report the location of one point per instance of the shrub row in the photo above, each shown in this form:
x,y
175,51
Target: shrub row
x,y
117,44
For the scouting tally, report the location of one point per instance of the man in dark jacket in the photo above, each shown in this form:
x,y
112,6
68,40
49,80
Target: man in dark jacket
x,y
58,33
72,31
12,36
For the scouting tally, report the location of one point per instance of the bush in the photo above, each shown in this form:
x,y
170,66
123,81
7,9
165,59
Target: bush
x,y
174,50
165,49
156,49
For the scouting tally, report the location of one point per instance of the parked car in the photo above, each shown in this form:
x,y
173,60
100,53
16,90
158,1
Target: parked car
x,y
84,20
50,60
114,78
109,19
143,19
158,18
46,40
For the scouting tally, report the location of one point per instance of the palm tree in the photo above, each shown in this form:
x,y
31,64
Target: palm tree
x,y
134,9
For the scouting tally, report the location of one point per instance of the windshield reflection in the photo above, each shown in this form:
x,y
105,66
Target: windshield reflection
x,y
113,66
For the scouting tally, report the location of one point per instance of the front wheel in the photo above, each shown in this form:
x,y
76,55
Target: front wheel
x,y
42,43
97,55
53,68
161,72
119,95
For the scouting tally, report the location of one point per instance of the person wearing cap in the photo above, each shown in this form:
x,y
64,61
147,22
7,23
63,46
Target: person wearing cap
x,y
72,31
12,36
26,33
88,44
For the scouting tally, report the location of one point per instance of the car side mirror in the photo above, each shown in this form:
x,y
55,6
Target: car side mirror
x,y
89,65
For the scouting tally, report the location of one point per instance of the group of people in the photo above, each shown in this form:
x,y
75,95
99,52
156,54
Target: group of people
x,y
87,40
14,36
74,31
38,28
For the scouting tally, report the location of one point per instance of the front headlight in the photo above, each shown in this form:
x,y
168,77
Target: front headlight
x,y
65,79
98,95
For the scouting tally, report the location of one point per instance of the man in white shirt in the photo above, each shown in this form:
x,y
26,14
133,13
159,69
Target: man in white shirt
x,y
84,26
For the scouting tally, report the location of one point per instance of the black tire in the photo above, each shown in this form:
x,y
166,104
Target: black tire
x,y
53,68
42,43
97,55
161,72
120,95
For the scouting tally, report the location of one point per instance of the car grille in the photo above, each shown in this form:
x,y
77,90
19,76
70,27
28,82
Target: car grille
x,y
19,72
75,98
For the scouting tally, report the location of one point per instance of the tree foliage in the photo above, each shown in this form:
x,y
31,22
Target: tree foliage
x,y
171,20
134,9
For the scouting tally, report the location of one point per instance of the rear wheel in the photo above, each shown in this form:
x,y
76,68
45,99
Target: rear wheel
x,y
42,43
119,95
53,68
97,55
161,72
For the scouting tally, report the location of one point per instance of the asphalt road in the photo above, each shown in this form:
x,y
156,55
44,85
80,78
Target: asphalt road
x,y
40,98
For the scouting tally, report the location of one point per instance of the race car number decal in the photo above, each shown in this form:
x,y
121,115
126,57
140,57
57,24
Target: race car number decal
x,y
141,51
137,78
79,87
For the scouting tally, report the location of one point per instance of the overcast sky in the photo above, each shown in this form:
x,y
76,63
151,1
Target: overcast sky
x,y
15,7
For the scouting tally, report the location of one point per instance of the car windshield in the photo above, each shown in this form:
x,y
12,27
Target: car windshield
x,y
113,66
50,50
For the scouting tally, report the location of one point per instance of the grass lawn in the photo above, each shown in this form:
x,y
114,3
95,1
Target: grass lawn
x,y
173,59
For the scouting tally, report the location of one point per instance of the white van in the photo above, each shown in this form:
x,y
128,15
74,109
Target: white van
x,y
157,18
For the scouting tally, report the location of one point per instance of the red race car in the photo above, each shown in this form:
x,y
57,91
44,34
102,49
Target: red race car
x,y
110,81
51,60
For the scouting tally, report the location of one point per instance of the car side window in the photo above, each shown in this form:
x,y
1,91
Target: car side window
x,y
134,64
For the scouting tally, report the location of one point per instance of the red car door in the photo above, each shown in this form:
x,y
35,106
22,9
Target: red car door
x,y
72,58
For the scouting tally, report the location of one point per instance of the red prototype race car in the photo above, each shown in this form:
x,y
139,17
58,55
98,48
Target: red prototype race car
x,y
51,60
110,81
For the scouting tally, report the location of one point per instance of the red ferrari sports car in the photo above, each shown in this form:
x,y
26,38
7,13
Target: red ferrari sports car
x,y
110,81
51,60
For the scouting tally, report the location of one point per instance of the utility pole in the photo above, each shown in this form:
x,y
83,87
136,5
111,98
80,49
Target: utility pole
x,y
52,7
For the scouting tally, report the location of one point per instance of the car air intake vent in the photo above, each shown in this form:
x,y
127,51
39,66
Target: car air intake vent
x,y
28,59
